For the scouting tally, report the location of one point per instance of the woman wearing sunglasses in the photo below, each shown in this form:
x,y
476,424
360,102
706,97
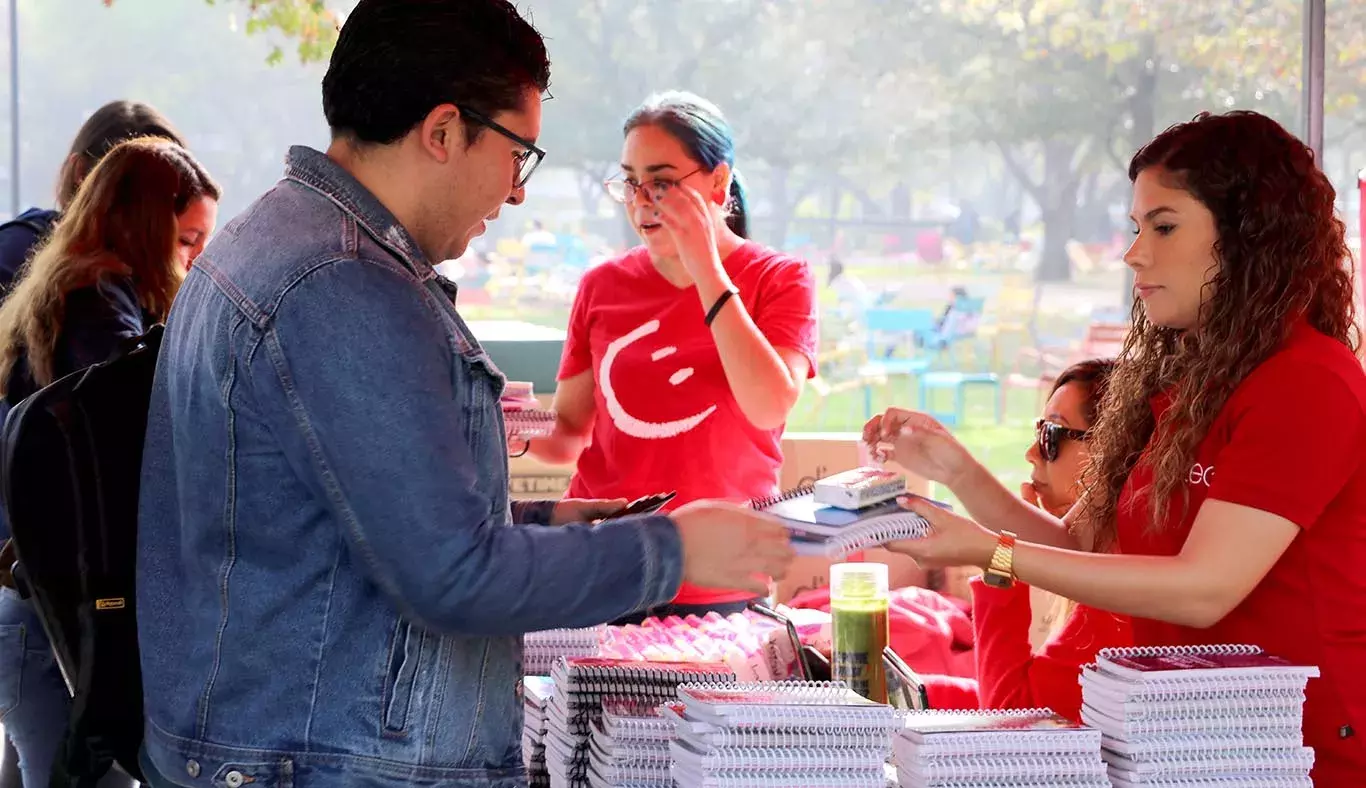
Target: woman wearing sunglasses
x,y
686,354
1229,460
1010,674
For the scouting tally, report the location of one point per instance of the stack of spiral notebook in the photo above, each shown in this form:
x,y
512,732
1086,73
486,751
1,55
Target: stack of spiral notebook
x,y
582,684
819,527
1025,747
779,735
629,746
536,693
1180,715
541,650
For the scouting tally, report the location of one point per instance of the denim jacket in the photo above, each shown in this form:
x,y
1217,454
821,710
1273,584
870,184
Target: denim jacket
x,y
331,589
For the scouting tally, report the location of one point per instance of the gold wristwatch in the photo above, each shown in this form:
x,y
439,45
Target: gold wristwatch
x,y
1001,571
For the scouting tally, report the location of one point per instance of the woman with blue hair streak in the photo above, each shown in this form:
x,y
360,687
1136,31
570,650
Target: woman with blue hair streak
x,y
686,354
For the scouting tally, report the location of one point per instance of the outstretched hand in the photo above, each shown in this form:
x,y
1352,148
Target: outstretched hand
x,y
953,540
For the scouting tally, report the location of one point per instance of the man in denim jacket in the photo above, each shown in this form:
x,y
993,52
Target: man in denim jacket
x,y
331,589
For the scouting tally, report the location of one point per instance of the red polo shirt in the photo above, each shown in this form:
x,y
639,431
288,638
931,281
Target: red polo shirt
x,y
1291,440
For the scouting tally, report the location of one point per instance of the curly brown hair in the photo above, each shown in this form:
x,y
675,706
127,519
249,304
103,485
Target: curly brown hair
x,y
1282,255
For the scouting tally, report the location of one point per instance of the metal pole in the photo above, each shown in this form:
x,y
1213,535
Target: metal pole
x,y
1315,25
14,104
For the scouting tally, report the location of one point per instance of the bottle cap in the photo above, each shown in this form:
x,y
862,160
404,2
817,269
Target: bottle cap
x,y
859,581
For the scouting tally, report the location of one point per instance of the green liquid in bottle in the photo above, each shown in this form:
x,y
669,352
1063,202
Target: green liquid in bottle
x,y
860,633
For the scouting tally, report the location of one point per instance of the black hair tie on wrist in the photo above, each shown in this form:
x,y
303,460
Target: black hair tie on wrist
x,y
716,307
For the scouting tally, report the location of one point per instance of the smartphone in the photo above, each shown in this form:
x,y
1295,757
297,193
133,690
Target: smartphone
x,y
649,504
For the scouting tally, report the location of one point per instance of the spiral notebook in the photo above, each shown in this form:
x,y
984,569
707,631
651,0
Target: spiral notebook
x,y
529,423
629,746
536,694
1178,715
576,709
1012,747
832,532
540,650
781,734
1194,663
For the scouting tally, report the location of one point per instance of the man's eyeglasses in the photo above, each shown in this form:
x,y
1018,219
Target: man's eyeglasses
x,y
625,190
527,160
1050,436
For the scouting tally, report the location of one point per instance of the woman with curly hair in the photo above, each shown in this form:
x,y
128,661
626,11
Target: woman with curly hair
x,y
1229,459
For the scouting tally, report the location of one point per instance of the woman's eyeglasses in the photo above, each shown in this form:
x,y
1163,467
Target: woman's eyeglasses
x,y
1050,436
625,190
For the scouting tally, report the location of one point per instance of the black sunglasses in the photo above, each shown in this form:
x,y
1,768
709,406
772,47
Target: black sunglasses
x,y
1050,436
527,161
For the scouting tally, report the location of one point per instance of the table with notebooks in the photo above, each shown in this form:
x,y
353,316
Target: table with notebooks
x,y
1227,716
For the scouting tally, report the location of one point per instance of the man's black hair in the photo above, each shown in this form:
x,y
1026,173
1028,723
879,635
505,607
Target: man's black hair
x,y
397,60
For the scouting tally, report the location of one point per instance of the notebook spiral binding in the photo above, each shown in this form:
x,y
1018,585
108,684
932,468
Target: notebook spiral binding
x,y
1018,766
1289,759
888,528
932,714
1236,742
1280,701
635,774
1223,650
1097,780
785,495
1214,781
813,691
827,757
656,680
777,776
803,737
977,745
1166,688
1159,728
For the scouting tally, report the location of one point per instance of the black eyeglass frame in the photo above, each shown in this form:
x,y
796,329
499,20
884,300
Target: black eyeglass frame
x,y
1050,435
532,149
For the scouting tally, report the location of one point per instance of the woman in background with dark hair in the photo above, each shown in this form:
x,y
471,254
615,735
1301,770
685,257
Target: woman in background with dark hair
x,y
108,126
1229,460
1010,673
110,269
684,355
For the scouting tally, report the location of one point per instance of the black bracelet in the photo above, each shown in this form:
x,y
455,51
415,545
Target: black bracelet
x,y
716,307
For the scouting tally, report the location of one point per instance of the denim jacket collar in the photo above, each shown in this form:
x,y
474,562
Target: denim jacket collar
x,y
319,172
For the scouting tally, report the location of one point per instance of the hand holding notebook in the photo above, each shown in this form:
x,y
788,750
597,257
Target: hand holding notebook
x,y
836,531
729,546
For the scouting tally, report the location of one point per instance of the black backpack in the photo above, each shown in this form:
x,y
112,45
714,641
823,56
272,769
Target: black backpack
x,y
70,466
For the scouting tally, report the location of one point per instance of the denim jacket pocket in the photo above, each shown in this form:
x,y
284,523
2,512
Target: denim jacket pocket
x,y
404,666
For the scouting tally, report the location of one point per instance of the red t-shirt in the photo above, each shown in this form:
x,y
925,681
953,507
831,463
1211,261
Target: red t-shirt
x,y
1011,676
1291,441
665,415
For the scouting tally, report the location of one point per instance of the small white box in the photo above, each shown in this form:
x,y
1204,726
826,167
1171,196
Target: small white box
x,y
859,488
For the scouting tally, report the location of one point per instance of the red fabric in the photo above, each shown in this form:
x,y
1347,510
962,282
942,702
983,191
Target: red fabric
x,y
1290,441
1011,676
931,633
666,418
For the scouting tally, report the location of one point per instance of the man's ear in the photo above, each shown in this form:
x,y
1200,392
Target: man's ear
x,y
442,133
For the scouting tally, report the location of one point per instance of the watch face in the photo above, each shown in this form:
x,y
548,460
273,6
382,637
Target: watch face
x,y
997,580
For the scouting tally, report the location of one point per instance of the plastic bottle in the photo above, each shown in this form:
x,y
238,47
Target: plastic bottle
x,y
859,600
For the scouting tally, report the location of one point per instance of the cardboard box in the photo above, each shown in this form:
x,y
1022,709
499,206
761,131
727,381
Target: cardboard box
x,y
529,479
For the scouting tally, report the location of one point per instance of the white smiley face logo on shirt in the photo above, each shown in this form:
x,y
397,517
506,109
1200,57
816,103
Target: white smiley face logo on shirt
x,y
629,424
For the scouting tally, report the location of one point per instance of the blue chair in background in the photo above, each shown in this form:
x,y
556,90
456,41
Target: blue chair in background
x,y
895,340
